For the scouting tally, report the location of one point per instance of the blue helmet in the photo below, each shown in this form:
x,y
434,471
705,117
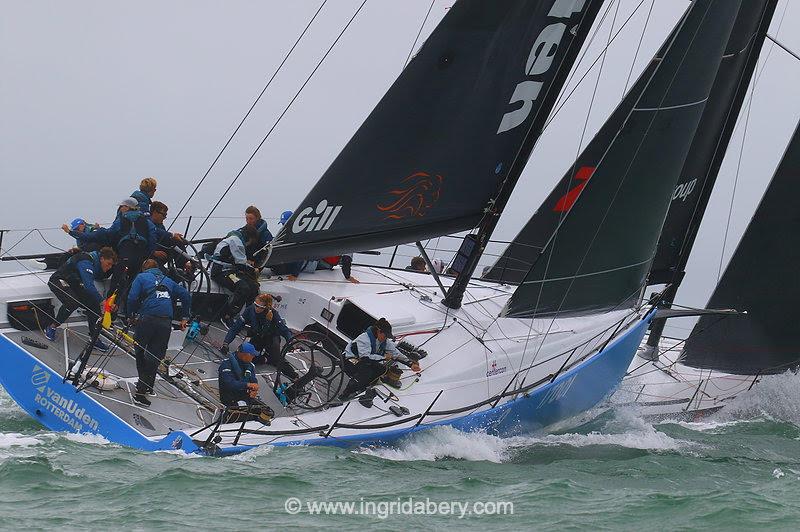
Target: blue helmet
x,y
74,224
285,215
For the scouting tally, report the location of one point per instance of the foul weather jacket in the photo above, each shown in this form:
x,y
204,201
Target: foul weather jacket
x,y
151,295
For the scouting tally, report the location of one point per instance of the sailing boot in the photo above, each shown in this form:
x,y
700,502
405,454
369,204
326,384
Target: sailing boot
x,y
140,397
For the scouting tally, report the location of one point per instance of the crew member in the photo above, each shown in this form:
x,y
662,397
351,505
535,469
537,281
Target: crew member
x,y
78,229
73,285
143,196
133,235
292,270
151,296
417,265
368,358
238,387
266,330
170,247
158,213
232,270
252,218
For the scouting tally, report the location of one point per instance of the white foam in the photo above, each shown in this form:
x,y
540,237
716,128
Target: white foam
x,y
15,439
447,442
95,439
777,473
774,397
625,430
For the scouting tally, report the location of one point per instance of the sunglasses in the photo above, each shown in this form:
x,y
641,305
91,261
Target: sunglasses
x,y
259,305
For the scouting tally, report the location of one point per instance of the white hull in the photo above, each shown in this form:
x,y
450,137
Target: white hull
x,y
474,357
667,389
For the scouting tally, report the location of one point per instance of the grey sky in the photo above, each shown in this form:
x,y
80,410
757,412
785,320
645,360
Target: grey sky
x,y
95,95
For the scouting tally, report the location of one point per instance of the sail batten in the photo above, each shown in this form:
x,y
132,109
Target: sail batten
x,y
443,141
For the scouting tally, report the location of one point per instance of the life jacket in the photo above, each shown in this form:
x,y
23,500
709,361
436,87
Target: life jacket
x,y
333,261
378,348
375,347
144,201
133,226
69,271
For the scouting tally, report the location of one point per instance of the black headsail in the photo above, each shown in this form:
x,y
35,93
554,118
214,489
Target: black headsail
x,y
601,253
522,252
440,144
707,152
762,279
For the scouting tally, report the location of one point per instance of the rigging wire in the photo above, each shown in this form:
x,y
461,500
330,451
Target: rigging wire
x,y
736,179
569,185
568,97
772,46
235,131
638,47
622,181
280,117
419,33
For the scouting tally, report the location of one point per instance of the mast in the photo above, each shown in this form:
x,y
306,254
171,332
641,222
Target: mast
x,y
706,156
478,241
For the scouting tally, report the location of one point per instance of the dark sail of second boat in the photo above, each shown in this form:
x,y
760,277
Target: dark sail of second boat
x,y
761,279
615,232
436,149
697,176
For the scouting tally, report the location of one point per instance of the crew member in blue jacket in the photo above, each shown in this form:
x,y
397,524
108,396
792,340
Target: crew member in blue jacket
x,y
134,237
151,296
143,196
237,377
368,356
238,388
252,218
79,229
266,330
73,285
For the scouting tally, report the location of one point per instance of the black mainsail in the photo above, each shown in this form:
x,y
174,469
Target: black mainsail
x,y
455,128
761,279
601,254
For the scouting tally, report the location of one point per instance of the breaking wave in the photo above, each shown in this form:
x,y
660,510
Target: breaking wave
x,y
626,430
775,398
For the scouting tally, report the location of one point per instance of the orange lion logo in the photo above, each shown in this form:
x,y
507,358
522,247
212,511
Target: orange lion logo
x,y
417,193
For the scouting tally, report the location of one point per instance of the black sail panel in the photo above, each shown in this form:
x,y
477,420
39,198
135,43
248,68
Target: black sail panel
x,y
762,280
601,253
522,252
433,152
708,149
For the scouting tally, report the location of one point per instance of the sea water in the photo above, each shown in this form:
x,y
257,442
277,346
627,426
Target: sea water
x,y
739,469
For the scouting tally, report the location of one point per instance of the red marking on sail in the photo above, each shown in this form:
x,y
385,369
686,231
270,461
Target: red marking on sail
x,y
566,201
416,195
